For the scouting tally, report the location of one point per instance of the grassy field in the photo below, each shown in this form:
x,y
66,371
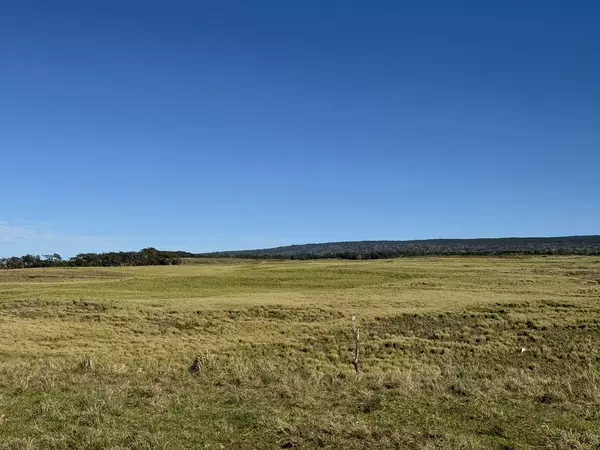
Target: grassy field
x,y
100,358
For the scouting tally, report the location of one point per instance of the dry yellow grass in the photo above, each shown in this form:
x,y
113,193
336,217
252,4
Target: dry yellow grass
x,y
99,358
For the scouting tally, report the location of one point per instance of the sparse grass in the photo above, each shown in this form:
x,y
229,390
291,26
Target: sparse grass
x,y
102,358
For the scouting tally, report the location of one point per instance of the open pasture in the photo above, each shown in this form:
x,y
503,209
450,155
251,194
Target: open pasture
x,y
465,352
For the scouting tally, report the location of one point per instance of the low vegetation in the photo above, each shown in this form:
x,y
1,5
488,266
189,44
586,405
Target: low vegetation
x,y
465,352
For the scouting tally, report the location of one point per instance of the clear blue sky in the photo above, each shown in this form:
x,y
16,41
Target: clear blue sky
x,y
208,125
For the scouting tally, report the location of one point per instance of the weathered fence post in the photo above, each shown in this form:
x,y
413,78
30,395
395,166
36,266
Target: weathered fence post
x,y
355,361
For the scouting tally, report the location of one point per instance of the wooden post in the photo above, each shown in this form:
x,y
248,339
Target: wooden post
x,y
355,361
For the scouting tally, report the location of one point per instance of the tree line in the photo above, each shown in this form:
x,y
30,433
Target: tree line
x,y
569,245
146,257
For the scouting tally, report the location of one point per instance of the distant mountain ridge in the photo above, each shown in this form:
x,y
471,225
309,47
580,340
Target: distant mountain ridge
x,y
564,245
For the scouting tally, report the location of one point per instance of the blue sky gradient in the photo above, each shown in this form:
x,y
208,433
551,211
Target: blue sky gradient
x,y
235,124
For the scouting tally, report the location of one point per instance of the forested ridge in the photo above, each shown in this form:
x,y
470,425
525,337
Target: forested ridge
x,y
567,245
